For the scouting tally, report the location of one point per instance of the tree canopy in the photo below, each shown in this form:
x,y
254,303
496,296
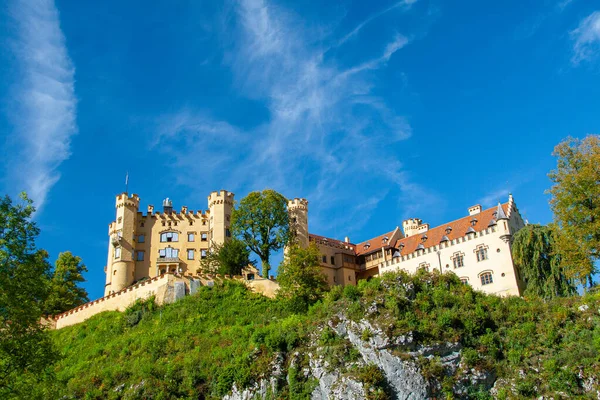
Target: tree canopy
x,y
65,294
535,255
301,280
25,348
575,203
261,221
228,258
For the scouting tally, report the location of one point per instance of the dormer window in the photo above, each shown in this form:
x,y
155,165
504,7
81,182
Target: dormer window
x,y
423,238
367,245
473,221
448,230
385,239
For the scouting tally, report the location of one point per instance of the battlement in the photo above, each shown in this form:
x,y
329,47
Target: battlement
x,y
220,197
298,204
412,226
124,199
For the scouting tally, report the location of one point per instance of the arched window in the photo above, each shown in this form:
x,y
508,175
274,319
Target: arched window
x,y
481,253
486,278
169,237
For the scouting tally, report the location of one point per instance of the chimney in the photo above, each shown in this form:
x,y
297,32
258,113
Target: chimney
x,y
476,209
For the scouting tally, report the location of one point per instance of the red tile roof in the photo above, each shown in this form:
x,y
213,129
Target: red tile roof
x,y
330,240
459,229
375,244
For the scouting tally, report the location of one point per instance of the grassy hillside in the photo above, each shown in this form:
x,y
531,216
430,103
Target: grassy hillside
x,y
198,347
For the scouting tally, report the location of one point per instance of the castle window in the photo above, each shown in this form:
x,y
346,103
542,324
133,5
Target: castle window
x,y
119,220
191,237
169,252
190,254
139,256
424,266
203,254
227,217
141,224
141,239
486,278
169,237
482,253
203,222
324,258
227,232
465,281
332,260
203,237
117,252
459,260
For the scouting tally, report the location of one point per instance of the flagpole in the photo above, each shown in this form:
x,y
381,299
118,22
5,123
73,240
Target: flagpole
x,y
126,181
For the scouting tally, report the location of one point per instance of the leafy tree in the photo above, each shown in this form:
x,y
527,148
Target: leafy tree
x,y
534,254
25,347
64,293
301,281
576,205
261,221
228,258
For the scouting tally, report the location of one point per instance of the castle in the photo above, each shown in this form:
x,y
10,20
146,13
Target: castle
x,y
475,247
147,245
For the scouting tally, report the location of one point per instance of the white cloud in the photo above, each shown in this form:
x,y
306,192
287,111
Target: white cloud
x,y
327,137
43,109
492,198
586,38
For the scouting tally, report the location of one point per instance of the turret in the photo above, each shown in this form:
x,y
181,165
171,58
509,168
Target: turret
x,y
298,212
120,265
220,206
411,226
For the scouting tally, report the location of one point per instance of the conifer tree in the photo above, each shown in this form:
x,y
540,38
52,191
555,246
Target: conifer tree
x,y
65,294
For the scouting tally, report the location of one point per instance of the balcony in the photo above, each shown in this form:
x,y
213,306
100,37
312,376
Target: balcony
x,y
168,260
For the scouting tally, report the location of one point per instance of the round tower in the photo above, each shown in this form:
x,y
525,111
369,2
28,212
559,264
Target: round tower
x,y
120,268
298,211
220,205
411,226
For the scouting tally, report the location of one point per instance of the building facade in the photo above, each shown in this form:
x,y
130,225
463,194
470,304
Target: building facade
x,y
476,247
147,245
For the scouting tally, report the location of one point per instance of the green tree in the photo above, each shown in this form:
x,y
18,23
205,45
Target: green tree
x,y
261,221
228,258
25,347
535,255
301,280
576,205
65,294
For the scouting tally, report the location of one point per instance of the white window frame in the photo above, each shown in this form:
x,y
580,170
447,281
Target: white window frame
x,y
191,254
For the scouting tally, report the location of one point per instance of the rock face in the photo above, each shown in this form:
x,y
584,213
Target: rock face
x,y
403,376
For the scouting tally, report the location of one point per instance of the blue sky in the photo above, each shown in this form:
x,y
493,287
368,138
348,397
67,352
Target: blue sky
x,y
373,111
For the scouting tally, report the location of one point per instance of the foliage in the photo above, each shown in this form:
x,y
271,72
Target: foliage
x,y
25,348
576,205
261,221
64,292
199,346
535,256
228,258
138,310
301,280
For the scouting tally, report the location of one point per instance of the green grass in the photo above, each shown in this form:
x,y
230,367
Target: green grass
x,y
198,347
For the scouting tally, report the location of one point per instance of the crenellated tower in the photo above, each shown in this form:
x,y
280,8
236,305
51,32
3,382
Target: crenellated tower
x,y
298,211
411,226
220,204
120,266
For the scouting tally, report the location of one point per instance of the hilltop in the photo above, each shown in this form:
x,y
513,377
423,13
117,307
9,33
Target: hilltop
x,y
397,336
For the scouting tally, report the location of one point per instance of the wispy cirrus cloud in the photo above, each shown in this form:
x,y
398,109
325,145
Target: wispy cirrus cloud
x,y
494,197
586,38
327,136
43,104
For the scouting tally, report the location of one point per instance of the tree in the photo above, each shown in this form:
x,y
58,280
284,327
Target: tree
x,y
301,280
65,294
535,255
261,221
227,259
25,347
576,205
